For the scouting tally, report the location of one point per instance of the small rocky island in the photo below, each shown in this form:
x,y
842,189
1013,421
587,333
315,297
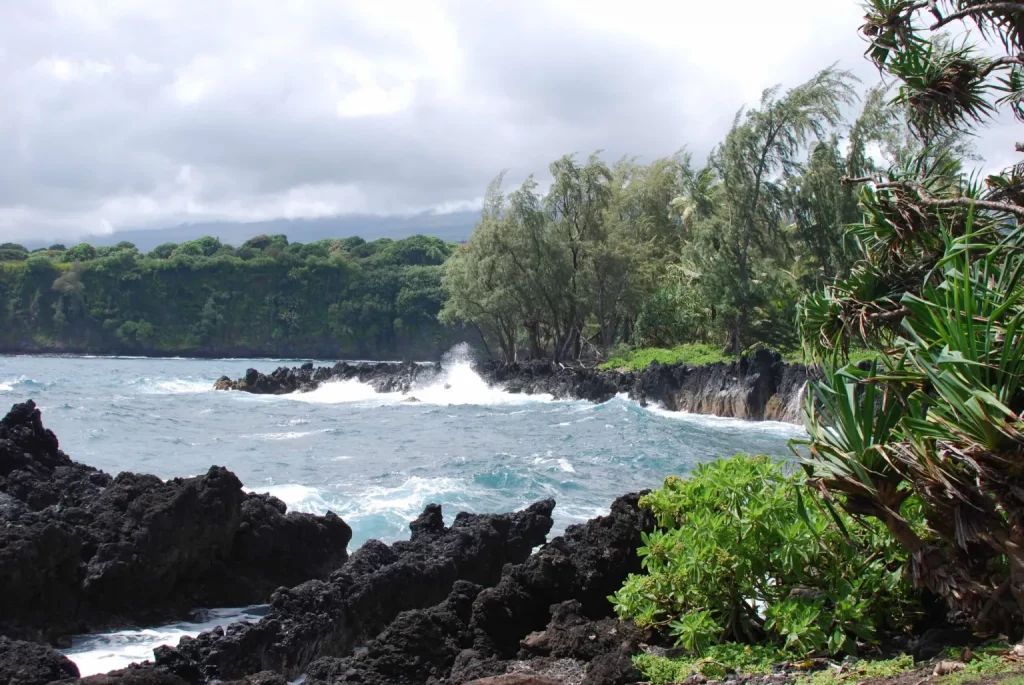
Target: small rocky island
x,y
756,387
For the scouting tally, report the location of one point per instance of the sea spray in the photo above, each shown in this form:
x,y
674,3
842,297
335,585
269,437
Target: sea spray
x,y
103,652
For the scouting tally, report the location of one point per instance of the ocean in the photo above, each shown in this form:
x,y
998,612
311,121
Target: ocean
x,y
374,459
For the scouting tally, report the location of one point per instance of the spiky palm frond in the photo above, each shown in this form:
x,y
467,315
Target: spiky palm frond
x,y
850,418
944,89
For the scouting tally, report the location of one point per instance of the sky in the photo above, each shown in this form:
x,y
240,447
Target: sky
x,y
143,114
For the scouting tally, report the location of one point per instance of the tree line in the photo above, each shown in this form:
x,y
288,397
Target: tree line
x,y
330,298
666,253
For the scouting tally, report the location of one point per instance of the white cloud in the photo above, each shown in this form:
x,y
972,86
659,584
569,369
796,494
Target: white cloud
x,y
147,113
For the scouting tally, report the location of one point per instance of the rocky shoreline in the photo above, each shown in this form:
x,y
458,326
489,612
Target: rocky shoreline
x,y
82,551
758,387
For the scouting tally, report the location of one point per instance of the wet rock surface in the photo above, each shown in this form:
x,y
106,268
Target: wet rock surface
x,y
82,551
756,387
451,605
27,663
382,376
368,596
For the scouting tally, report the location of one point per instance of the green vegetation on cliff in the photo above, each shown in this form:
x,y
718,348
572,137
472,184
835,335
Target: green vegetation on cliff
x,y
331,298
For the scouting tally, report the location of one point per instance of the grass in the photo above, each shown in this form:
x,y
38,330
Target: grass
x,y
699,354
719,660
695,354
982,665
882,668
754,659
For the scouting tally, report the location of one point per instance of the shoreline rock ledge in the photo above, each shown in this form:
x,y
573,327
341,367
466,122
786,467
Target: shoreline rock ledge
x,y
486,600
758,387
84,551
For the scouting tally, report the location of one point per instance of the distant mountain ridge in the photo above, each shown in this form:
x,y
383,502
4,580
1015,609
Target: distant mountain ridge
x,y
451,227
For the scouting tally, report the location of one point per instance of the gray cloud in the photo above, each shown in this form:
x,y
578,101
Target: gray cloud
x,y
135,114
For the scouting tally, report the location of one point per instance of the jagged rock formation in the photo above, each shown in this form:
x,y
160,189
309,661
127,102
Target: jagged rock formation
x,y
383,376
82,551
361,599
756,387
450,605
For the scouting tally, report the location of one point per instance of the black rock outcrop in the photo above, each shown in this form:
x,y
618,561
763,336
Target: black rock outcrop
x,y
365,596
561,590
586,565
81,550
760,386
382,376
27,663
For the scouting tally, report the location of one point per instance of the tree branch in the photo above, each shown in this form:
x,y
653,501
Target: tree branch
x,y
890,315
929,200
1012,7
1010,60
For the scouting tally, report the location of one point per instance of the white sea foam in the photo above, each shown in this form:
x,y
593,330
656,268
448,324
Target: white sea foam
x,y
341,392
458,384
104,652
406,500
174,387
564,464
301,498
9,385
289,435
711,421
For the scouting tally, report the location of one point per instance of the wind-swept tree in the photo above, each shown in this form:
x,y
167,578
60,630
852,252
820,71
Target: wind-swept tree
x,y
764,145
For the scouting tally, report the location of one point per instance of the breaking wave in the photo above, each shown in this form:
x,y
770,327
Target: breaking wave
x,y
102,652
458,384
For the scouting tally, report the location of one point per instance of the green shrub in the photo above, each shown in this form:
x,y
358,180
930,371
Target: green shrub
x,y
745,552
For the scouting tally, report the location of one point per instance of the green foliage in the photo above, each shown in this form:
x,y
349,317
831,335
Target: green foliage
x,y
937,291
744,552
694,354
275,299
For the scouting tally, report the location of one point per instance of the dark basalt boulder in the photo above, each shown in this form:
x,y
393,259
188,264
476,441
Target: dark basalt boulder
x,y
560,591
27,663
586,564
83,551
572,635
367,595
382,376
133,675
418,645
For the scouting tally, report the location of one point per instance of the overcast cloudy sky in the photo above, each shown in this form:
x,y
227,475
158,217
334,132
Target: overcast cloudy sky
x,y
125,114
